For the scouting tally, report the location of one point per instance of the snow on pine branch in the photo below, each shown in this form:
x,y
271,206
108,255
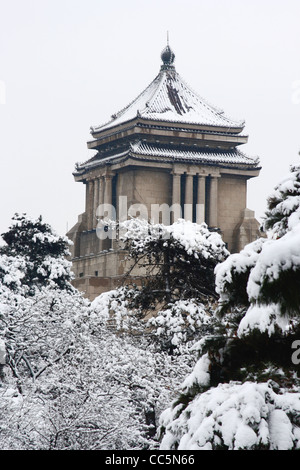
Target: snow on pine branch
x,y
234,416
284,205
195,239
236,264
180,322
276,257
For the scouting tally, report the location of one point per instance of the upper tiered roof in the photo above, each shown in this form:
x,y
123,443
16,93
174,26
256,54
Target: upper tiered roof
x,y
169,123
168,98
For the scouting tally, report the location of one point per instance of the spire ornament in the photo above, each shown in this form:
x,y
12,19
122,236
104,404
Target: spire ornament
x,y
168,57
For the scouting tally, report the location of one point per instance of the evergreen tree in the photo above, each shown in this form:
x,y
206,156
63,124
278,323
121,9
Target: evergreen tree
x,y
283,205
178,260
245,390
39,254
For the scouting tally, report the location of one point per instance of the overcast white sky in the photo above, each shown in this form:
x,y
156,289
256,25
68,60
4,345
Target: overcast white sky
x,y
68,64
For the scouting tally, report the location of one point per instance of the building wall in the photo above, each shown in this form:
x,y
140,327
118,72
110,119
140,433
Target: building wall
x,y
89,243
100,273
100,265
145,186
232,199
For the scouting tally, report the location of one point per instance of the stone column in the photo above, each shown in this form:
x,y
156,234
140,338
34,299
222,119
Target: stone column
x,y
101,191
90,204
176,196
107,243
108,190
96,201
188,200
99,213
86,202
200,210
213,202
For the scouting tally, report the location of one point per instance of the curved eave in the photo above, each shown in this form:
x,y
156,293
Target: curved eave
x,y
222,160
209,161
138,126
114,129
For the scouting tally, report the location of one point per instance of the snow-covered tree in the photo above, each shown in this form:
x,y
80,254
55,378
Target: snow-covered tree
x,y
35,329
234,416
39,252
268,270
175,300
72,383
244,392
179,260
67,380
283,208
177,289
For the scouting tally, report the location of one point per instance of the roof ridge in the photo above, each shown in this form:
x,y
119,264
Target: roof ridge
x,y
125,108
155,92
208,104
119,113
218,110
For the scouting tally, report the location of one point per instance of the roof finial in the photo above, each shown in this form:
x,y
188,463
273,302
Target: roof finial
x,y
167,56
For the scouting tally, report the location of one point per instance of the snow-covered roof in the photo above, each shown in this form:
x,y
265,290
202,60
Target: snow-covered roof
x,y
168,98
233,157
157,152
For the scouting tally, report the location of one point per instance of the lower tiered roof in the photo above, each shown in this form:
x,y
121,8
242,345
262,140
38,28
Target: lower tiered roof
x,y
138,151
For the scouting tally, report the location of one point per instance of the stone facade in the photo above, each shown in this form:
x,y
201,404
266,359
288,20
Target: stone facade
x,y
168,148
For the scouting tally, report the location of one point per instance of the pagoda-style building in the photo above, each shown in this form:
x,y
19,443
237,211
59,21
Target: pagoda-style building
x,y
167,148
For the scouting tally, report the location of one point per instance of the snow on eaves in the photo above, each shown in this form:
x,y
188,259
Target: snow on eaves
x,y
154,152
234,156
